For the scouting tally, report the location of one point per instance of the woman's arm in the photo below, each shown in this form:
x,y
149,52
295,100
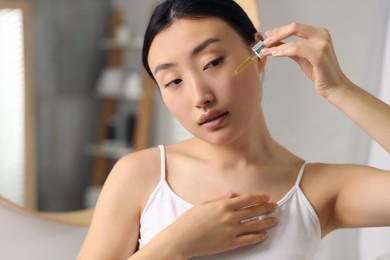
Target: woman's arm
x,y
348,196
317,58
370,113
360,194
113,233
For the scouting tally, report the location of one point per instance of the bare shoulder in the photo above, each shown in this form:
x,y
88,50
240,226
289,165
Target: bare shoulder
x,y
336,173
326,180
323,183
137,164
135,176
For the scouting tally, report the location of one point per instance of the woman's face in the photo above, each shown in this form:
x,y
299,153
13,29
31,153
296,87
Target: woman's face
x,y
193,62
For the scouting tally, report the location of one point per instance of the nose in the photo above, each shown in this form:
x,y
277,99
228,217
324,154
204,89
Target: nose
x,y
202,93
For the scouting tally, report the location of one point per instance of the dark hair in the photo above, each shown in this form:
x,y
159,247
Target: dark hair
x,y
168,11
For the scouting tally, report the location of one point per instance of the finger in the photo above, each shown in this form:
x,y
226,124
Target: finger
x,y
256,226
256,210
247,200
295,29
228,195
251,239
275,44
310,50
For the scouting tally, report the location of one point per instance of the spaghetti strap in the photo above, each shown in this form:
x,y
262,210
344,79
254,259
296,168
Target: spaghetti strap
x,y
163,162
300,174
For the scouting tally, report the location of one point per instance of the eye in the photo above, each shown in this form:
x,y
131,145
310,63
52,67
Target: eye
x,y
214,63
173,83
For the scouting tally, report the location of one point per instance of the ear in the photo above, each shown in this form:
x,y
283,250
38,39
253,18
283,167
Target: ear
x,y
260,62
258,36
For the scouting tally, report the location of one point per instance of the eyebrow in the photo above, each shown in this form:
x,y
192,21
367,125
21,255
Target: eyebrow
x,y
203,45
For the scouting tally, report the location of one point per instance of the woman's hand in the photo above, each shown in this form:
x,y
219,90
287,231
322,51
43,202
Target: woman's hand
x,y
314,54
221,225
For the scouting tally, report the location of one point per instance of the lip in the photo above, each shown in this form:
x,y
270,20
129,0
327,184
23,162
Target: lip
x,y
211,116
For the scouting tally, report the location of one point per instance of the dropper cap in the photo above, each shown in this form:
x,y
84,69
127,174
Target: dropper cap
x,y
257,53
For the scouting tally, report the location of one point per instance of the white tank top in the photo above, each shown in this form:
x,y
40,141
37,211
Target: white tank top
x,y
296,237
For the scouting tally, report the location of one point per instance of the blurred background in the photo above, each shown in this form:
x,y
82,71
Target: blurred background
x,y
90,102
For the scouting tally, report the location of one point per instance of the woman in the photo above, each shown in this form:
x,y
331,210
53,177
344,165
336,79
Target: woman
x,y
231,191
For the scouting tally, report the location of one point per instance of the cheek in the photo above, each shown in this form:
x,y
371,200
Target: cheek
x,y
250,79
170,103
244,87
229,83
177,106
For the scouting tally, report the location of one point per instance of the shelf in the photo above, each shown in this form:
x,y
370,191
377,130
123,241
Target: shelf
x,y
118,84
111,44
109,149
120,90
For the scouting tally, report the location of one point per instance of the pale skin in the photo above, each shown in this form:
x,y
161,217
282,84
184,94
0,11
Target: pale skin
x,y
234,169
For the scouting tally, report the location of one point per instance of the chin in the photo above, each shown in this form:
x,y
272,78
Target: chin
x,y
219,138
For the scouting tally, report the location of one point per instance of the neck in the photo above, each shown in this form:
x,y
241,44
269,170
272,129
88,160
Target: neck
x,y
253,147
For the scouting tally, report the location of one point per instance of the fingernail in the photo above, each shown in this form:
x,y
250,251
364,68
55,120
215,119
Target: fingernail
x,y
266,196
228,195
268,33
273,221
267,41
272,207
265,51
